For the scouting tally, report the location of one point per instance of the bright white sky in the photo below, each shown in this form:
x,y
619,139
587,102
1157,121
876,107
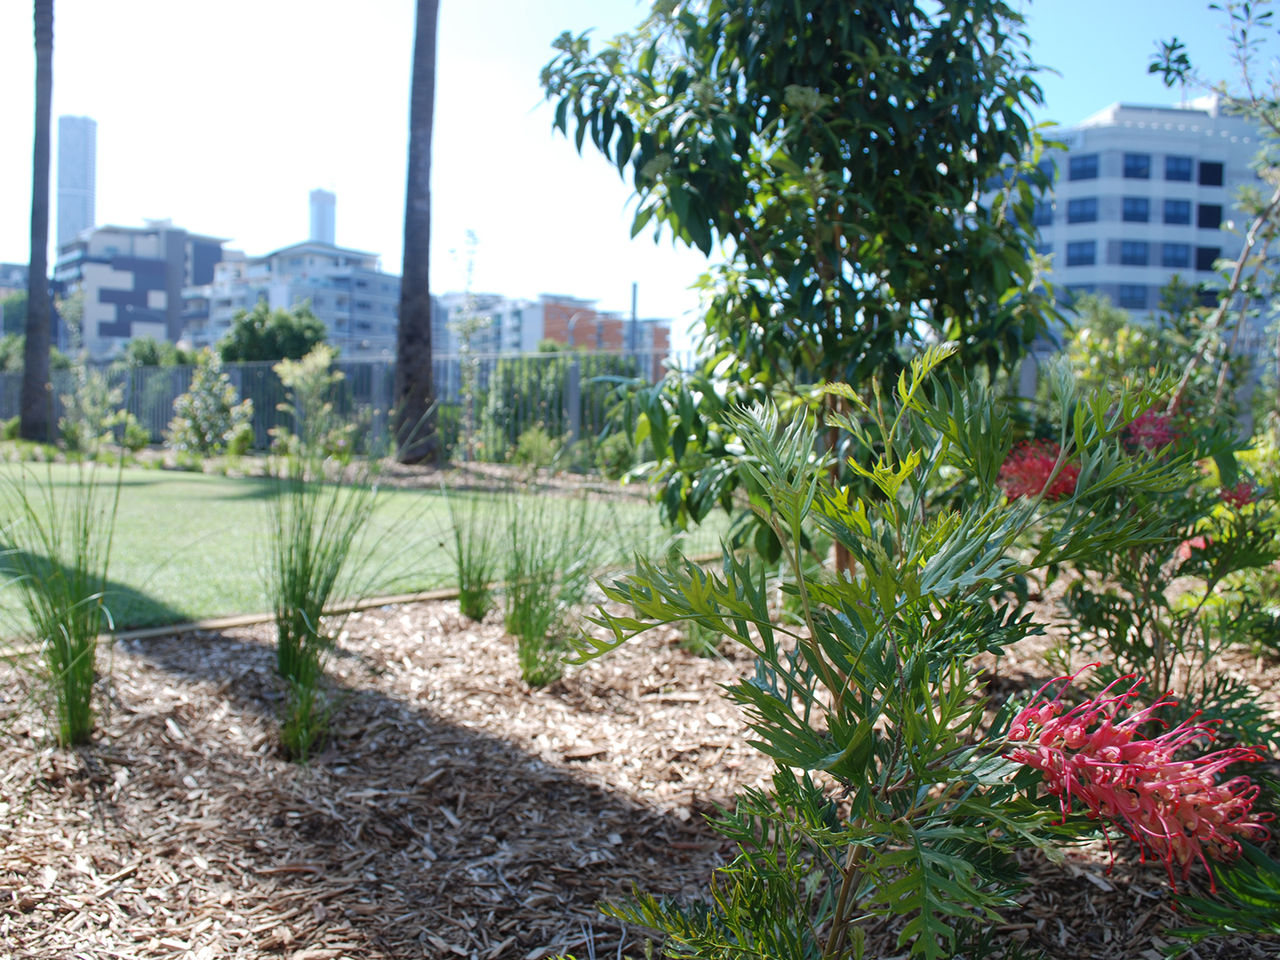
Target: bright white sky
x,y
224,116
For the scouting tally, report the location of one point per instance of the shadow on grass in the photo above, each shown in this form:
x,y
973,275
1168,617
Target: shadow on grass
x,y
128,606
416,836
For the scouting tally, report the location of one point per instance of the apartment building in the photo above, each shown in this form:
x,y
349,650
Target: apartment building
x,y
1142,193
345,288
132,280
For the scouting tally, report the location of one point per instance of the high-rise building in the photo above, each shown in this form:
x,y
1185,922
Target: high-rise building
x,y
133,279
1143,193
323,204
77,168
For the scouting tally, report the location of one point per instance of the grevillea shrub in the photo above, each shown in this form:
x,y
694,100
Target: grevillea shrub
x,y
1164,609
890,801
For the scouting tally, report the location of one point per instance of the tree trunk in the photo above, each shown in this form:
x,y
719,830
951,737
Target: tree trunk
x,y
36,419
415,428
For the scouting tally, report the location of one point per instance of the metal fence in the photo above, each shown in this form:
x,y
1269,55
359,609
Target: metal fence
x,y
485,402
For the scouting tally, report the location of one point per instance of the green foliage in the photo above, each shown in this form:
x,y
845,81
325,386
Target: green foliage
x,y
851,227
1246,902
313,387
11,348
537,449
474,550
58,541
208,414
266,334
9,428
523,391
150,352
888,802
13,309
318,514
552,551
93,410
615,456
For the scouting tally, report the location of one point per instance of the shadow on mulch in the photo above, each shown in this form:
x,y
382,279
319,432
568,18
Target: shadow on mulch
x,y
409,835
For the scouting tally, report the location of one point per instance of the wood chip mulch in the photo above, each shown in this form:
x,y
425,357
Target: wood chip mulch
x,y
456,813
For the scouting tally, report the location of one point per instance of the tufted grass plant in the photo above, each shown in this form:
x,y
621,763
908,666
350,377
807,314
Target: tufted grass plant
x,y
553,549
473,548
58,549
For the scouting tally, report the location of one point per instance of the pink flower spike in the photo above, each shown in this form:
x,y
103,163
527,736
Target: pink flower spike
x,y
1151,430
1026,472
1239,495
1172,808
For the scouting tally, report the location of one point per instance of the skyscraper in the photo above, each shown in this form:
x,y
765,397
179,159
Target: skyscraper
x,y
77,163
322,216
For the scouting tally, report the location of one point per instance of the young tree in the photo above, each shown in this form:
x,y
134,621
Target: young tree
x,y
266,334
866,171
36,420
414,390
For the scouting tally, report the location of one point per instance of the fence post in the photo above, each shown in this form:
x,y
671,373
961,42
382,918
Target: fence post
x,y
573,399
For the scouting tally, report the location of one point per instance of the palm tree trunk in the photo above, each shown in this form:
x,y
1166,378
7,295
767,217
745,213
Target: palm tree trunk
x,y
36,419
415,431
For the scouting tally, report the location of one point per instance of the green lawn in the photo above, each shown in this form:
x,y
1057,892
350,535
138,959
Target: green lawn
x,y
189,546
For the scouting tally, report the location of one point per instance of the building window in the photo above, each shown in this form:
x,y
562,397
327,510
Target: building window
x,y
1210,174
1137,166
1134,253
1083,168
1043,214
1083,253
1133,296
1177,211
1178,168
1205,256
1209,216
1136,209
1175,255
1084,210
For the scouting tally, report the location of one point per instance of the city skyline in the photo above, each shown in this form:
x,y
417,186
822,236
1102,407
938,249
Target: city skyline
x,y
237,155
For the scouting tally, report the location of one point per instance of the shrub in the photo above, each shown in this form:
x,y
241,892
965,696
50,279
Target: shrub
x,y
59,548
537,449
9,428
134,436
615,456
208,414
891,802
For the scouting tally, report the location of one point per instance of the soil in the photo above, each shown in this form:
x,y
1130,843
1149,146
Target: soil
x,y
455,813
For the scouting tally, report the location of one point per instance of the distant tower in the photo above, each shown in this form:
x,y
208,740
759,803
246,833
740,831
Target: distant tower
x,y
77,163
322,207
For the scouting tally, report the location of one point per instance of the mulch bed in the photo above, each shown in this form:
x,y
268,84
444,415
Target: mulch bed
x,y
455,814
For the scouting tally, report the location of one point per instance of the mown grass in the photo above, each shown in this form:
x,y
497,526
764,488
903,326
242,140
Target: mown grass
x,y
189,546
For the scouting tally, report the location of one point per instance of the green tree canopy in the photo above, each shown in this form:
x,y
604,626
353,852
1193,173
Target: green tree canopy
x,y
266,334
867,171
867,174
12,346
14,308
150,352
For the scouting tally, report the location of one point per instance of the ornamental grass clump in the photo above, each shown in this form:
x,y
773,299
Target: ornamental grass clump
x,y
318,513
58,540
553,548
891,801
473,546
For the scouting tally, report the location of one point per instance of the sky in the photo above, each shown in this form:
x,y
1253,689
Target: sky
x,y
223,117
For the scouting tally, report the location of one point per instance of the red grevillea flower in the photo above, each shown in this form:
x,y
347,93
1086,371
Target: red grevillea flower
x,y
1238,495
1172,807
1151,430
1028,468
1187,547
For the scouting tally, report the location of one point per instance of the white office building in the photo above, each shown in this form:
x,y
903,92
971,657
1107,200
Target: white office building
x,y
1143,193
